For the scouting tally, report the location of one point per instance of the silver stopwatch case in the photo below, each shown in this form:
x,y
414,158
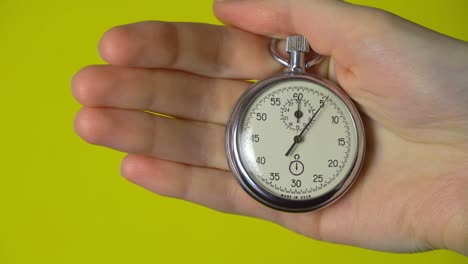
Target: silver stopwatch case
x,y
296,46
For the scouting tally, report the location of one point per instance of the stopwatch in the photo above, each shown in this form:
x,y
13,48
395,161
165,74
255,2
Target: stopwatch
x,y
295,141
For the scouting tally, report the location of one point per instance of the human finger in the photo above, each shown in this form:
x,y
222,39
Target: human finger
x,y
209,50
209,187
190,142
333,28
328,24
190,96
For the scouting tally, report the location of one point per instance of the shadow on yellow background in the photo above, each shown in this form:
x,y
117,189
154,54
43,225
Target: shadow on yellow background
x,y
63,201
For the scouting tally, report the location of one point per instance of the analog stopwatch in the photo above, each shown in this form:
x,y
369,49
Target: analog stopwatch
x,y
294,141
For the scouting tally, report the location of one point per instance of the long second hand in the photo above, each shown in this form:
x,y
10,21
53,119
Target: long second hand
x,y
298,138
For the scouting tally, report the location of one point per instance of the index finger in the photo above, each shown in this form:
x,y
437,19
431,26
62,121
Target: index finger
x,y
210,50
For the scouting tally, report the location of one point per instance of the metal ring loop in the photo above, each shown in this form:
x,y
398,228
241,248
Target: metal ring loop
x,y
316,60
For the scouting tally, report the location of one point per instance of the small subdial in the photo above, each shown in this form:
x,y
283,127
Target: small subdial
x,y
295,114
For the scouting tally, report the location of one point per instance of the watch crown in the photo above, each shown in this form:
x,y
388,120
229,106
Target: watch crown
x,y
297,43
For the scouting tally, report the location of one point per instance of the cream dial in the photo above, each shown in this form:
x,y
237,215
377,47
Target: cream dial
x,y
316,164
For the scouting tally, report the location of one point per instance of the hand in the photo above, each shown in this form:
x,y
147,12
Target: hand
x,y
298,114
410,83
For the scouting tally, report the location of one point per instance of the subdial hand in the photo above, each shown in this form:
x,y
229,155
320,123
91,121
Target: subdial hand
x,y
298,114
299,138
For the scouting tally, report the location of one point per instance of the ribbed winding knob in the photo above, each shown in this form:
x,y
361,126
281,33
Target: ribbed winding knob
x,y
297,43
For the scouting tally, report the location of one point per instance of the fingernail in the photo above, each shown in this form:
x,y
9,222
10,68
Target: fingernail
x,y
279,36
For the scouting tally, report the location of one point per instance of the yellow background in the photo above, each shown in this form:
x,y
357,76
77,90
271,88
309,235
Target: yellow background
x,y
63,201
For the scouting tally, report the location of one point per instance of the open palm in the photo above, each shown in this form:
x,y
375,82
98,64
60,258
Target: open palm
x,y
407,80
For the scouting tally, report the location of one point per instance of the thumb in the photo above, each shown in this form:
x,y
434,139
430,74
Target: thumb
x,y
327,24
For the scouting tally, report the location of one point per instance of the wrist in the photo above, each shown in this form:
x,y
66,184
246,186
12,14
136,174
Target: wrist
x,y
448,222
455,234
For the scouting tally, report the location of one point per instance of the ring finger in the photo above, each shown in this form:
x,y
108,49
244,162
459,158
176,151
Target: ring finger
x,y
189,142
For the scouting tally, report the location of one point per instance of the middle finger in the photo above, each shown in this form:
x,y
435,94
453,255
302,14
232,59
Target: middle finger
x,y
179,94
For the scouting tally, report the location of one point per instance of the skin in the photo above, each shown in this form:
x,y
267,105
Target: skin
x,y
410,83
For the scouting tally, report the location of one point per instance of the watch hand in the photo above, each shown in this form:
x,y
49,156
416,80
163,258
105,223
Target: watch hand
x,y
298,113
298,138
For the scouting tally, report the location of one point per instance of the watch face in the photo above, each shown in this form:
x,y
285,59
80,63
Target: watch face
x,y
298,142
